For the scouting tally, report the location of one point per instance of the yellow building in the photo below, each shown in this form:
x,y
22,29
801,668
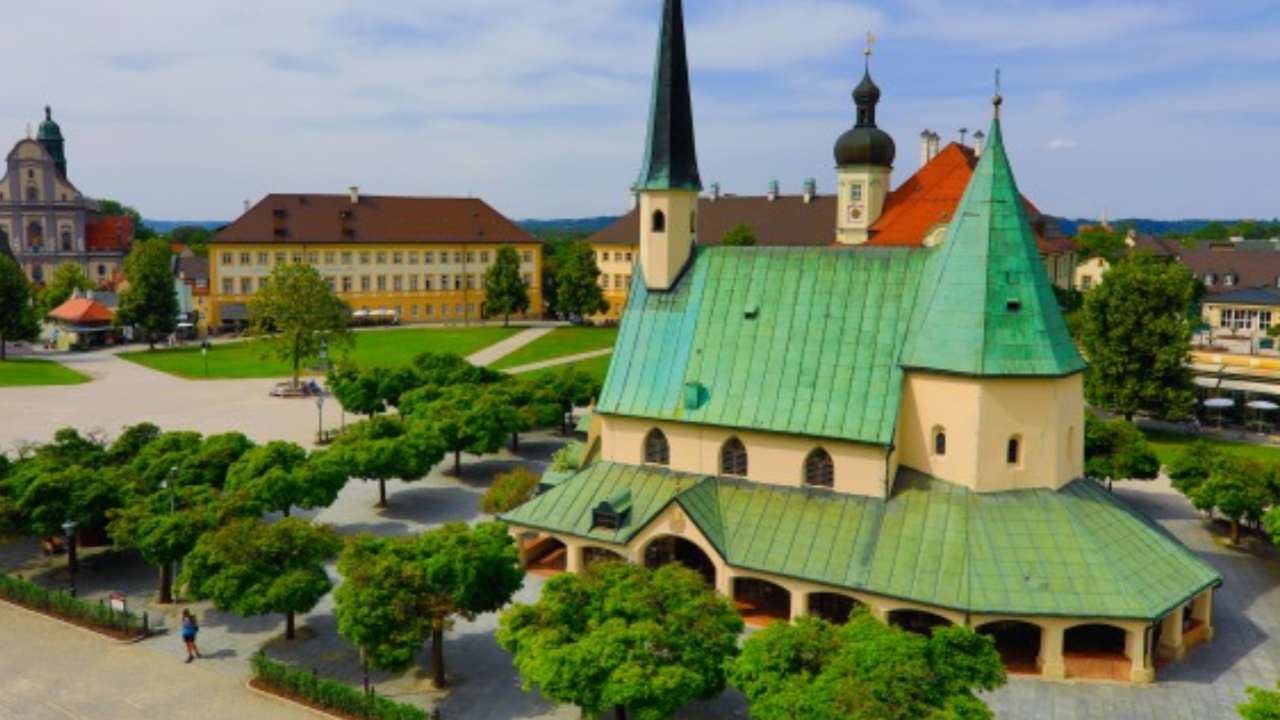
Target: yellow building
x,y
414,260
899,429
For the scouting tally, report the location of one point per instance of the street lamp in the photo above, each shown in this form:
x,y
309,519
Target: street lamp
x,y
320,396
171,486
204,351
324,354
69,530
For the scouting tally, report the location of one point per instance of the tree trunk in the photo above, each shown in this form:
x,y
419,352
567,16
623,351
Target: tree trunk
x,y
515,442
2,349
382,493
166,583
287,509
564,423
288,626
437,656
457,463
1235,531
506,320
619,713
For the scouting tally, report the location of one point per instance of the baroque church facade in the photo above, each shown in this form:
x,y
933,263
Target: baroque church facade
x,y
45,221
897,429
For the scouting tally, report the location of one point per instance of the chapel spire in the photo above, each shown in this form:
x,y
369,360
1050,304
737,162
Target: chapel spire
x,y
670,158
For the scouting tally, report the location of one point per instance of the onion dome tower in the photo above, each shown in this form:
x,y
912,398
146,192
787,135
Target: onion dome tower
x,y
864,161
50,136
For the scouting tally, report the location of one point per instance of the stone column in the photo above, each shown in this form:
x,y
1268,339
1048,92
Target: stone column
x,y
1171,644
799,603
522,549
1202,611
724,582
572,557
1136,649
1052,665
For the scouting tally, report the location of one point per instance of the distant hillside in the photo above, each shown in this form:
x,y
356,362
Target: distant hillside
x,y
1146,226
166,226
566,226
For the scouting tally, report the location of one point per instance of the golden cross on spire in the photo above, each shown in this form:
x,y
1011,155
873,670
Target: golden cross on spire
x,y
871,43
998,100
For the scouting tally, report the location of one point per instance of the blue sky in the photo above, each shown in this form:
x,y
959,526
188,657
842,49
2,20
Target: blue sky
x,y
1164,109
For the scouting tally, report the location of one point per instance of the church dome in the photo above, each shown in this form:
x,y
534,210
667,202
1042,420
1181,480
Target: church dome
x,y
864,143
49,129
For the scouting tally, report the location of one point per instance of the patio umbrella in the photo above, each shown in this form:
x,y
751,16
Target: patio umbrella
x,y
1219,404
1266,405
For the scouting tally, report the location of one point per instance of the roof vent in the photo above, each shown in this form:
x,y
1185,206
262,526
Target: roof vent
x,y
810,190
1013,305
355,194
773,190
715,191
752,311
695,395
613,514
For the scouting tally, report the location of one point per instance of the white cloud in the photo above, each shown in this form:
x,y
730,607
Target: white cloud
x,y
1063,144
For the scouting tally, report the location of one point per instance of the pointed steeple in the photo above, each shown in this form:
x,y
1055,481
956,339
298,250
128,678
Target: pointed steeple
x,y
988,306
670,158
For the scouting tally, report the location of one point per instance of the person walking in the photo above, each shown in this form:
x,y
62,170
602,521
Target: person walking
x,y
190,628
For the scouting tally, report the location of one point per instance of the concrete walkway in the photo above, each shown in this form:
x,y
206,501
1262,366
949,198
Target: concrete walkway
x,y
496,352
566,360
50,670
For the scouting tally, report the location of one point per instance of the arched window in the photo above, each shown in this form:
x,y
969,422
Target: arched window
x,y
1013,453
35,235
66,241
32,194
656,449
733,458
939,441
659,221
819,470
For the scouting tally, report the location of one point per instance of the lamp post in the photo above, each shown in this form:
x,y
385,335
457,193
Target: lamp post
x,y
166,585
204,352
320,396
69,530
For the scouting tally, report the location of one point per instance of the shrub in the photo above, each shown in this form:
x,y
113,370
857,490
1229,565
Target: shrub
x,y
509,491
330,694
61,604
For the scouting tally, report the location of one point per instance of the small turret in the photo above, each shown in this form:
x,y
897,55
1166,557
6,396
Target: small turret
x,y
864,161
50,136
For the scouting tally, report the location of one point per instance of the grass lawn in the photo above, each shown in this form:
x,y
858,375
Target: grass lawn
x,y
596,367
560,343
38,372
381,348
1167,445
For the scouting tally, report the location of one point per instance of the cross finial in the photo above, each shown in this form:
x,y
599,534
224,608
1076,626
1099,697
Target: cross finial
x,y
48,113
998,100
871,44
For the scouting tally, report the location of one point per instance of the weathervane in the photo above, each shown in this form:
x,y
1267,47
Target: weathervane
x,y
998,100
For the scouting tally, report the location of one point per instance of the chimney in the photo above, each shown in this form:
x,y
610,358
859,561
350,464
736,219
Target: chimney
x,y
979,142
246,205
715,191
935,142
926,144
355,194
810,190
964,132
773,190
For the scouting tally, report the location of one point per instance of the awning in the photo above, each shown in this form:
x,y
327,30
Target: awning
x,y
1207,382
1257,388
234,312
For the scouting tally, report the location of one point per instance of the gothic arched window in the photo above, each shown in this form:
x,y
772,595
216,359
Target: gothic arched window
x,y
733,458
819,469
1013,453
656,449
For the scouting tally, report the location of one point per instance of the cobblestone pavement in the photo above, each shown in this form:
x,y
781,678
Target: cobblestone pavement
x,y
51,671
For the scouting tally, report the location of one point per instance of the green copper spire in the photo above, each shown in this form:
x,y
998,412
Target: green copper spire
x,y
988,306
50,136
670,159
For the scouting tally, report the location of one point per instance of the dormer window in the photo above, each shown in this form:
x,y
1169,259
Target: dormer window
x,y
1210,280
659,221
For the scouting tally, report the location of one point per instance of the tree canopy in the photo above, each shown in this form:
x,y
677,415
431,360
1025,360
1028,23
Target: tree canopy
x,y
740,235
150,303
569,388
1137,339
19,318
1101,242
505,291
468,418
67,279
1117,450
386,448
577,292
397,592
297,313
642,642
1238,488
280,476
1262,704
865,669
250,567
114,208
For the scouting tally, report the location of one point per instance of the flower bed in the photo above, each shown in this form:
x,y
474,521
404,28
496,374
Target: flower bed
x,y
327,695
99,617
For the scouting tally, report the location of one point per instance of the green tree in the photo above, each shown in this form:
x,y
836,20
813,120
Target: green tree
x,y
19,319
386,448
1193,465
1238,488
865,669
1098,241
357,390
150,303
66,479
1262,705
505,291
1117,450
298,313
642,642
280,476
569,388
250,567
1137,339
131,442
215,457
67,279
577,282
509,491
398,592
532,405
468,418
740,235
196,238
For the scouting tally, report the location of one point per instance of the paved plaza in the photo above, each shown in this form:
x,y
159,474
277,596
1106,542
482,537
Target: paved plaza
x,y
113,679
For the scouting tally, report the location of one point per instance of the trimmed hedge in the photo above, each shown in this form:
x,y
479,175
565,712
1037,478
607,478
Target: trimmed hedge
x,y
61,604
330,694
509,491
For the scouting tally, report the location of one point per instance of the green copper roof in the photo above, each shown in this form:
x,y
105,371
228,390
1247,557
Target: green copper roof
x,y
791,340
670,158
50,136
1076,552
989,308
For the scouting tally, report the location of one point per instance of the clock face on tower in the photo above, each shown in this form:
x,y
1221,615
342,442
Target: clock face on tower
x,y
855,212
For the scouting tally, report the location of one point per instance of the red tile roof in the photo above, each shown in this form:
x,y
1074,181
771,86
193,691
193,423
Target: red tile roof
x,y
82,311
108,234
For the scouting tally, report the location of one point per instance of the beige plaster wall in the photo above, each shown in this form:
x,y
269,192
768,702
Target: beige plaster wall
x,y
664,254
771,458
980,416
854,220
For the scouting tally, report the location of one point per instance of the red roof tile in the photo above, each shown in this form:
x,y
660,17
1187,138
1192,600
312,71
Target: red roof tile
x,y
108,234
82,311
